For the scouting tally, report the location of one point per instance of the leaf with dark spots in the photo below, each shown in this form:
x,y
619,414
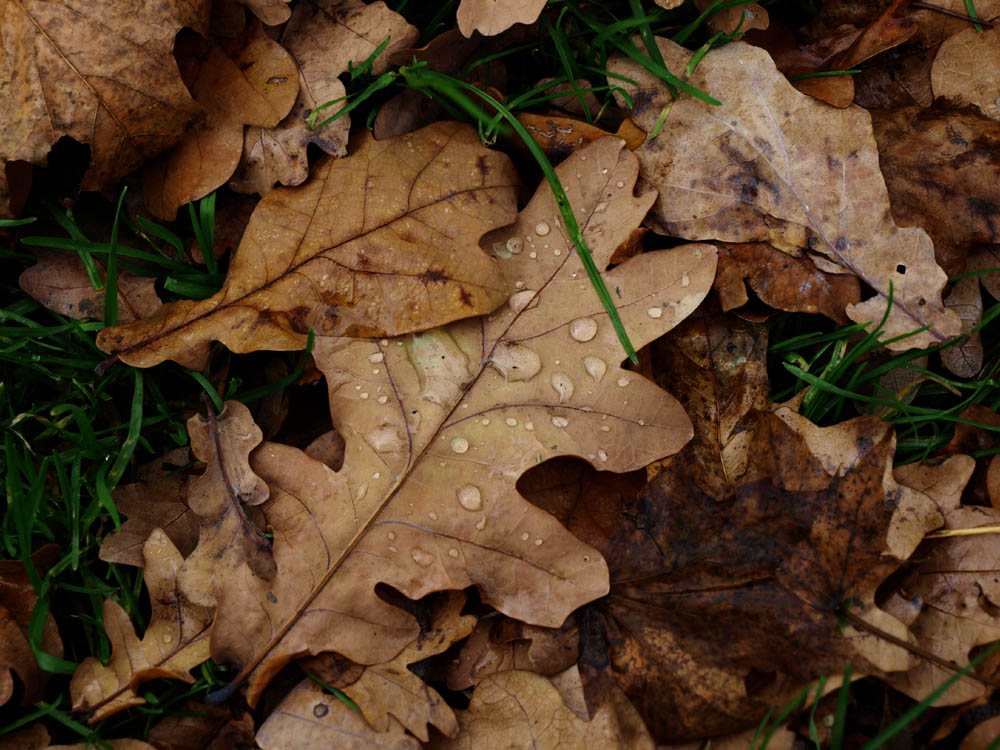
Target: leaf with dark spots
x,y
713,588
302,247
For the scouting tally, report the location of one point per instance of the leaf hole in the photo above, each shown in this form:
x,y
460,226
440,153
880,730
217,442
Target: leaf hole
x,y
901,269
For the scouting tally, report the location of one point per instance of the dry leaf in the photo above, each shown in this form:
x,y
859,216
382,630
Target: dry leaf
x,y
490,17
391,690
982,736
782,281
203,727
728,20
271,12
522,709
558,136
62,75
251,80
323,38
438,427
708,590
943,175
158,500
770,164
967,70
17,602
175,640
124,744
965,358
59,281
310,717
987,261
227,538
402,259
33,737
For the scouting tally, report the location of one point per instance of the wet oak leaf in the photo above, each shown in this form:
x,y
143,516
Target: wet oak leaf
x,y
202,727
175,640
323,38
59,281
62,74
709,590
438,426
227,537
250,80
490,17
967,70
403,258
942,169
310,717
121,744
771,164
965,358
782,281
523,709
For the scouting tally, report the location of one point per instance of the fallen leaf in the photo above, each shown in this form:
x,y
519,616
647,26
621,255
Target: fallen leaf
x,y
523,709
227,538
390,689
324,38
250,80
157,500
33,737
17,602
943,174
438,427
709,590
982,735
63,75
202,727
402,259
899,78
59,281
310,717
123,744
271,12
967,70
490,17
729,20
782,281
986,260
175,640
965,358
955,579
772,165
936,27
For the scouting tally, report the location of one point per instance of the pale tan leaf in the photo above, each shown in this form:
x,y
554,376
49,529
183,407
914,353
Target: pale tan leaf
x,y
323,38
967,70
59,281
490,17
522,709
227,538
438,427
392,690
175,640
728,20
770,164
271,12
310,717
401,259
33,737
965,358
63,74
251,80
982,736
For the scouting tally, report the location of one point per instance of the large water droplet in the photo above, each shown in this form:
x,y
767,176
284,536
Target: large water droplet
x,y
459,444
421,557
560,421
655,312
470,498
541,229
520,300
583,329
595,367
563,386
514,245
510,422
376,358
515,362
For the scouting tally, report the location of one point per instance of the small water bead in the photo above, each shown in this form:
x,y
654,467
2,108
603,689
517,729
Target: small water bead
x,y
603,456
432,515
563,385
532,255
376,371
529,426
391,536
459,444
685,279
655,312
514,245
377,475
470,498
364,395
538,541
385,342
518,284
595,367
601,207
485,421
622,381
383,399
557,252
376,357
620,184
604,171
357,387
167,637
481,524
560,421
452,552
605,428
542,229
525,536
520,300
511,422
421,557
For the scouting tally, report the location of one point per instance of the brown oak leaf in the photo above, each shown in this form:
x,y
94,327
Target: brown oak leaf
x,y
438,427
175,640
227,538
490,17
770,164
967,70
965,358
402,258
61,74
201,727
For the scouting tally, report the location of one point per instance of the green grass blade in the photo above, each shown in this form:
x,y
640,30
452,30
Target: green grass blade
x,y
111,269
840,712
